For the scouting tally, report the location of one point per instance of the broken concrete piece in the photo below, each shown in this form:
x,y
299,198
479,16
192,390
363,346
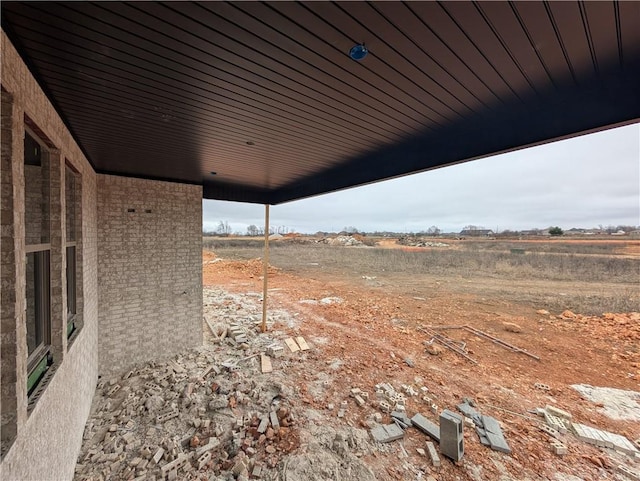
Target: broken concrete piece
x,y
158,456
274,420
402,417
433,454
429,428
387,433
467,410
264,424
494,435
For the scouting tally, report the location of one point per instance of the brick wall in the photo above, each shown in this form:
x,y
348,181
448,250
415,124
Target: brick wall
x,y
150,270
45,440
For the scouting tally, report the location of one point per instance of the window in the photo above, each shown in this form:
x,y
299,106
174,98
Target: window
x,y
38,255
71,228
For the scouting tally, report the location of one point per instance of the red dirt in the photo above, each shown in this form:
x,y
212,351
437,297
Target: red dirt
x,y
373,330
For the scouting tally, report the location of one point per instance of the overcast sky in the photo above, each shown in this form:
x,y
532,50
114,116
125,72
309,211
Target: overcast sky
x,y
584,182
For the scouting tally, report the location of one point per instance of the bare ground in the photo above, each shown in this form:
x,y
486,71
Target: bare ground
x,y
374,328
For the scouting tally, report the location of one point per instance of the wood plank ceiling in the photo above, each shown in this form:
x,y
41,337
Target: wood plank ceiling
x,y
266,96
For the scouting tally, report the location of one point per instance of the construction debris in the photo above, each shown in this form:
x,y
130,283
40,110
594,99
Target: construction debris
x,y
493,339
455,346
487,428
604,439
387,433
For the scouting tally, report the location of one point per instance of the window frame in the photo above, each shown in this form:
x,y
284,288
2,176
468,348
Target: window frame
x,y
71,268
40,358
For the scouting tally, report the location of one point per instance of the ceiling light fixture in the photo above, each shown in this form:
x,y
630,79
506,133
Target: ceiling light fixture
x,y
251,143
358,52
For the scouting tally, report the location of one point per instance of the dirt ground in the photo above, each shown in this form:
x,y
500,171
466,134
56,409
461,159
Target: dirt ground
x,y
374,330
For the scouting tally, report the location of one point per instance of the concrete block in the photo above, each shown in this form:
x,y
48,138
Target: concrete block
x,y
158,455
394,432
402,417
274,420
433,454
384,406
204,459
164,417
467,410
558,448
558,412
212,444
555,422
541,386
429,428
355,392
494,435
264,424
550,431
387,433
174,465
628,472
379,434
451,435
359,401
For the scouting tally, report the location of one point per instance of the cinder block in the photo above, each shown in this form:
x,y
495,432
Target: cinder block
x,y
451,435
558,412
429,428
628,472
558,448
204,459
550,431
555,422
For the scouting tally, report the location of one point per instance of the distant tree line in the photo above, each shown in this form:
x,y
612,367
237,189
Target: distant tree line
x,y
224,229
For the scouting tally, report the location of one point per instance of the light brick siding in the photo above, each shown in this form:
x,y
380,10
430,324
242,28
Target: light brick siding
x,y
139,275
44,442
150,270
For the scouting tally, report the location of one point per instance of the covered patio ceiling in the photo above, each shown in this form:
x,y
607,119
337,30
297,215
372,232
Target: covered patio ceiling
x,y
261,102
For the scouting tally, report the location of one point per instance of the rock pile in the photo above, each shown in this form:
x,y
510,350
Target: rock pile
x,y
411,241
